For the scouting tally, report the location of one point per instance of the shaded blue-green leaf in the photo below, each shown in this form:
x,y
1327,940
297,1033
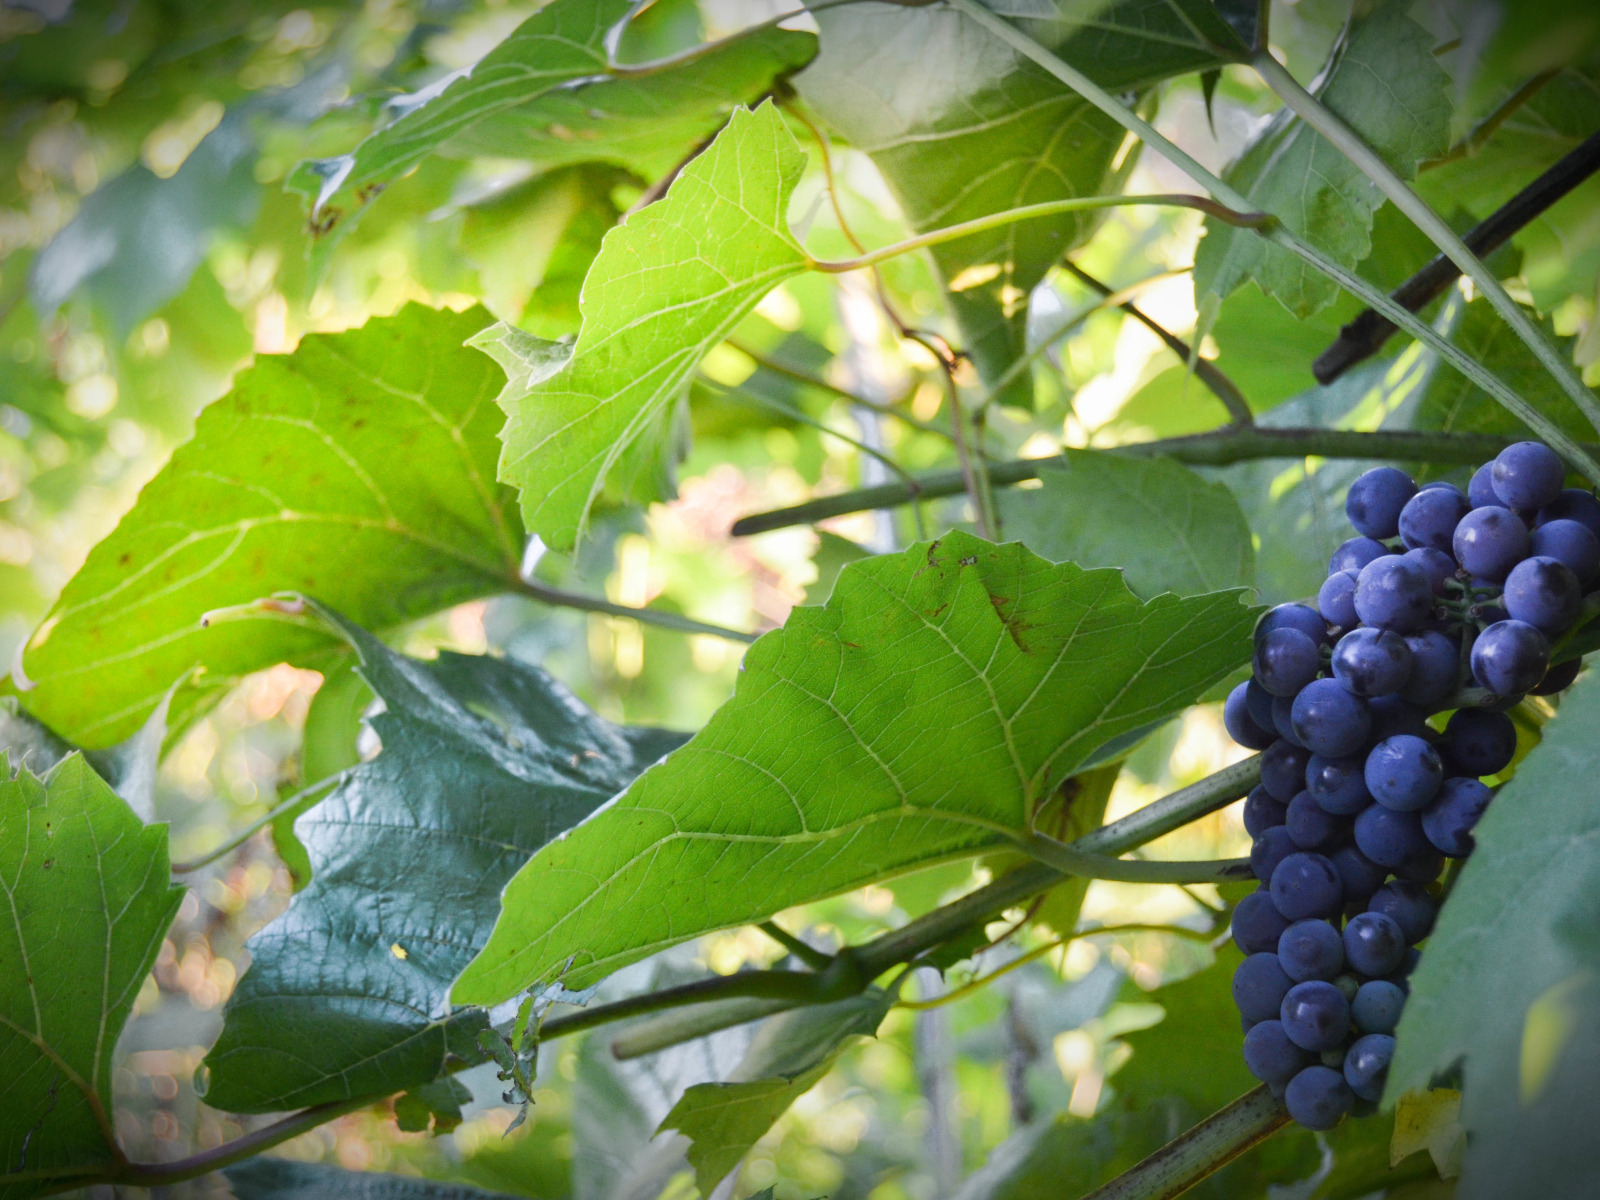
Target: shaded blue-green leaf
x,y
286,1179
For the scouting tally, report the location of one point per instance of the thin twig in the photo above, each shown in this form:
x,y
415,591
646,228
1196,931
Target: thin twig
x,y
545,594
1486,128
767,363
816,959
300,798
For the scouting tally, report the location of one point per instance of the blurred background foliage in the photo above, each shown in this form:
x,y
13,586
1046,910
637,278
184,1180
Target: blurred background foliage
x,y
149,248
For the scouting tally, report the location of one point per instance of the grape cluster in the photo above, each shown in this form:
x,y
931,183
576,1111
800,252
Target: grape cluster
x,y
1361,800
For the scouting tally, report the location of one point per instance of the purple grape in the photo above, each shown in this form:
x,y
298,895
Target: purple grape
x,y
1319,1098
1373,944
1480,492
1306,885
1558,678
1393,593
1359,876
1366,1067
1508,658
1241,726
1283,720
1437,565
1283,770
1404,772
1574,504
1258,702
1544,593
1269,850
1328,720
1570,543
1423,867
1293,616
1479,742
1450,819
1372,662
1262,812
1430,518
1528,475
1389,838
1336,600
1310,950
1377,1006
1409,905
1315,1015
1375,500
1435,668
1392,716
1285,661
1312,827
1337,784
1355,554
1270,1056
1489,542
1259,987
1257,923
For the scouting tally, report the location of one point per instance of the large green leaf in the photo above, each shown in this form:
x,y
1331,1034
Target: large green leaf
x,y
1168,529
962,126
286,1179
484,760
1385,83
359,469
665,288
1509,987
87,900
926,710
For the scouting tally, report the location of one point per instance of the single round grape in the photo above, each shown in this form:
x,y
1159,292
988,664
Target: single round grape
x,y
1269,850
1359,876
1306,885
1574,504
1338,784
1262,812
1258,702
1450,819
1408,968
1569,543
1257,923
1259,987
1479,742
1377,1006
1388,837
1409,905
1558,678
1310,950
1285,661
1437,565
1356,553
1375,500
1544,593
1283,770
1403,772
1480,492
1293,616
1283,720
1312,827
1366,1066
1528,475
1319,1098
1425,866
1270,1056
1429,518
1241,726
1508,658
1373,944
1315,1015
1393,593
1435,668
1372,662
1336,600
1328,720
1489,542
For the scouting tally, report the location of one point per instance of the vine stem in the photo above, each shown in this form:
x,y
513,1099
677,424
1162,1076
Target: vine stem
x,y
1069,860
1281,235
302,797
645,616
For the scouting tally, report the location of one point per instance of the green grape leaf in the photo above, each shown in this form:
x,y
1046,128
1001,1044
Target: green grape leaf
x,y
286,1179
484,760
1168,529
921,715
961,126
360,469
790,1053
88,899
1384,82
1508,991
434,1107
665,288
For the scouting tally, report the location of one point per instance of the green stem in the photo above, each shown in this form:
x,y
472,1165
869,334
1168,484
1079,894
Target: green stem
x,y
685,1025
1071,861
816,381
645,616
300,799
1349,143
816,959
1050,208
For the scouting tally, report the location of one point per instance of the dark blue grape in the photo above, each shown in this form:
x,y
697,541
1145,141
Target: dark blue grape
x,y
1328,720
1283,720
1375,500
1479,742
1259,987
1571,544
1389,838
1403,772
1318,1098
1241,726
1306,885
1393,593
1392,716
1574,504
1269,850
1450,819
1435,668
1257,923
1408,968
1425,866
1293,616
1430,518
1558,678
1355,554
1528,475
1359,876
1337,784
1366,1066
1373,944
1544,593
1336,600
1437,565
1312,827
1489,542
1310,950
1372,662
1481,491
1285,661
1508,658
1258,701
1377,1006
1262,812
1409,905
1315,1015
1270,1056
1283,770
